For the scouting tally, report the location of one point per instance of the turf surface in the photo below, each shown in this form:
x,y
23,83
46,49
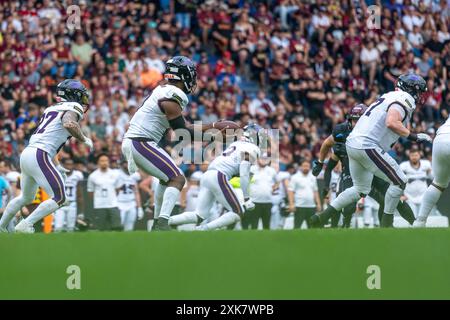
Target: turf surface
x,y
307,264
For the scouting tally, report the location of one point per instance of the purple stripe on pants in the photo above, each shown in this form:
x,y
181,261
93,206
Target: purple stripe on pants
x,y
228,193
52,176
384,166
157,159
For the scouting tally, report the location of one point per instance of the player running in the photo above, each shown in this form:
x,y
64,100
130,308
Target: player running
x,y
236,160
336,141
161,111
374,134
58,123
441,172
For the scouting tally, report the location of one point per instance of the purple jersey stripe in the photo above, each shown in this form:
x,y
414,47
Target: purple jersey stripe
x,y
52,177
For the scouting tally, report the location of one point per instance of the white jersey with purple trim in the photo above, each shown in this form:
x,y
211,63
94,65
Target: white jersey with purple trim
x,y
71,185
50,135
228,163
370,131
126,192
150,121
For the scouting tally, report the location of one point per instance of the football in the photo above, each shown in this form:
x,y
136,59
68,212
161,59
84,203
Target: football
x,y
225,125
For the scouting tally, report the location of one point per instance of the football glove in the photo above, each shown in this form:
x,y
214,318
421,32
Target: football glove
x,y
249,205
423,137
317,167
140,213
88,142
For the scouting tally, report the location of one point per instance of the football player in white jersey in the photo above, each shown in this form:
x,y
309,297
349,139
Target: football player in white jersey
x,y
65,217
236,160
382,124
418,173
441,172
58,123
129,198
159,112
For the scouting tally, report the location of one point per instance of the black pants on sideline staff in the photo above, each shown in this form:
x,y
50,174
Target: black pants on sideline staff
x,y
302,214
262,211
107,219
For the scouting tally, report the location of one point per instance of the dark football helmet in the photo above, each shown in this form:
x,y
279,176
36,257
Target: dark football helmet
x,y
73,91
357,111
414,84
182,69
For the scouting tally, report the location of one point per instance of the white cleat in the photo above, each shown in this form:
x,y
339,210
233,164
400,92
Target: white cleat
x,y
3,230
201,228
419,223
24,227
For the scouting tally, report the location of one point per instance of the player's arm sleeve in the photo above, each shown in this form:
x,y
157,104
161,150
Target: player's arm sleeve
x,y
330,166
244,173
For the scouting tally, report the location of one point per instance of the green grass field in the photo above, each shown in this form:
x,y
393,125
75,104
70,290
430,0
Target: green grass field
x,y
307,264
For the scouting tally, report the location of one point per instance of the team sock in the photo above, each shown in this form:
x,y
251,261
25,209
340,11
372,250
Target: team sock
x,y
387,221
406,212
184,218
224,220
43,210
159,196
429,200
11,209
327,213
170,198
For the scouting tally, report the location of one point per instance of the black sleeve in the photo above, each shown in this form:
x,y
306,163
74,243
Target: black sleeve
x,y
179,123
327,176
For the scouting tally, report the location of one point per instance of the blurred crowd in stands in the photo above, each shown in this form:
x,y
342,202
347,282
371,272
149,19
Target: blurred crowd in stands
x,y
294,65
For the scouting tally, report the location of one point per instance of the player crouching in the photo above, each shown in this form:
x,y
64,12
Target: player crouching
x,y
236,160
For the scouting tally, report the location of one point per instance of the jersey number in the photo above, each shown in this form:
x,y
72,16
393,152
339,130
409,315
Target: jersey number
x,y
373,105
49,117
127,188
69,191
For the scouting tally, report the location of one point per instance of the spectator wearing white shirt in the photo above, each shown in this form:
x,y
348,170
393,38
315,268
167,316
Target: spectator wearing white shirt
x,y
154,62
304,198
261,105
102,186
321,22
370,57
416,40
261,189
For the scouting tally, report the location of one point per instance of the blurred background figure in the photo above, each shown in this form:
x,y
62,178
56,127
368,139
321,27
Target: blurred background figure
x,y
65,217
103,186
304,198
262,185
129,198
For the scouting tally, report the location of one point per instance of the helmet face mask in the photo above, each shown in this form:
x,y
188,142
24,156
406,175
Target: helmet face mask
x,y
413,84
253,133
180,68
